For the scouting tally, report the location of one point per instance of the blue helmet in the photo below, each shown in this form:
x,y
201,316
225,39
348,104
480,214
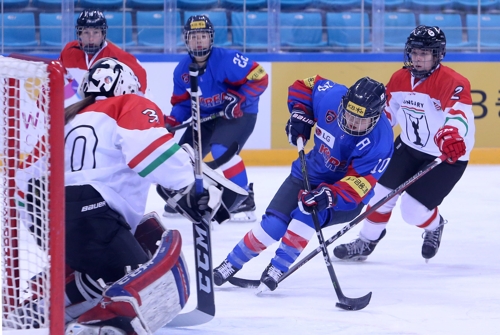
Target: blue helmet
x,y
197,24
361,107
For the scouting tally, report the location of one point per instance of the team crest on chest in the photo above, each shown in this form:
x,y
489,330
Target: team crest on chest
x,y
330,116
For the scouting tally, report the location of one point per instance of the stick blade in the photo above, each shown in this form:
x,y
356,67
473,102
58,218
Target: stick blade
x,y
193,318
354,304
244,283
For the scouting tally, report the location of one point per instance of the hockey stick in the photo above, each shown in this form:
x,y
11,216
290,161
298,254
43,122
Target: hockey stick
x,y
225,157
205,119
351,304
205,308
254,283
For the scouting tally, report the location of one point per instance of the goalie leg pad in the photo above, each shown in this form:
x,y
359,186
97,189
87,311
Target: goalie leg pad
x,y
149,297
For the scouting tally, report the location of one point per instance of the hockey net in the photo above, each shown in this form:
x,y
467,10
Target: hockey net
x,y
32,195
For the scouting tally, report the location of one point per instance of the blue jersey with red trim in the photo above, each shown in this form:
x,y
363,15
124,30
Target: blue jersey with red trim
x,y
226,70
350,164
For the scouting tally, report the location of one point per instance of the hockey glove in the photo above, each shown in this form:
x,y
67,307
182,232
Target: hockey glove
x,y
322,197
232,105
187,202
300,124
450,143
170,122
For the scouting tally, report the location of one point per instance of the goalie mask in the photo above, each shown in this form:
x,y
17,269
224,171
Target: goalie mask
x,y
199,35
109,78
86,24
425,38
361,107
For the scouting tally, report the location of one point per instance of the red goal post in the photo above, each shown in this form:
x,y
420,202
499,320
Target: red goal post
x,y
32,195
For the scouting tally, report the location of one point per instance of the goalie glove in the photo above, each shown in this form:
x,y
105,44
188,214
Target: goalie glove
x,y
191,205
321,198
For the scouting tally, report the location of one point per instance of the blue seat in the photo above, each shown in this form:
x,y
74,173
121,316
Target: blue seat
x,y
389,4
239,4
49,4
471,5
50,29
489,28
397,28
11,4
249,29
196,4
344,29
102,4
451,24
339,5
116,27
295,4
18,30
301,30
150,29
219,20
431,5
145,4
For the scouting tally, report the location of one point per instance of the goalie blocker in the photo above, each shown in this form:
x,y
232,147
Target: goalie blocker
x,y
147,298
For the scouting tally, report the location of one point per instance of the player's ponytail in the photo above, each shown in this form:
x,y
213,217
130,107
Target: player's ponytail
x,y
72,110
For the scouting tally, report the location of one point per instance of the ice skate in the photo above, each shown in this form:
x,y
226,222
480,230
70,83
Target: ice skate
x,y
75,328
246,211
269,279
223,272
432,240
357,250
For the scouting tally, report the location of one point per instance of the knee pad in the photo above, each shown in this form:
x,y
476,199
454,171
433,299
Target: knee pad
x,y
413,212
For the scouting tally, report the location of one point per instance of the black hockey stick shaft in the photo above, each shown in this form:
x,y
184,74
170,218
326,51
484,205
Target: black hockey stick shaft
x,y
201,230
344,302
401,188
205,119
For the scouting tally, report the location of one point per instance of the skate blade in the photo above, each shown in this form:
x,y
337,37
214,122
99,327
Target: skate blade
x,y
262,289
243,217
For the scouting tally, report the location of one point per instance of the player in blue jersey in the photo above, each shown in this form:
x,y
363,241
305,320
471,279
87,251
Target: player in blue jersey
x,y
228,82
353,144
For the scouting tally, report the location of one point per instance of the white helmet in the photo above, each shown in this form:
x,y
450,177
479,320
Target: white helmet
x,y
109,78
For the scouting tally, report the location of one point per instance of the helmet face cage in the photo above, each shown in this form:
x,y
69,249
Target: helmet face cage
x,y
361,107
91,19
425,38
198,26
109,78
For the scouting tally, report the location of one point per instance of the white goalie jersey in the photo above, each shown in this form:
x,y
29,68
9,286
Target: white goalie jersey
x,y
120,146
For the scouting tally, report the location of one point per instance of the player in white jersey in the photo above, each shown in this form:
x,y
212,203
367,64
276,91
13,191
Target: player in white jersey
x,y
433,105
116,147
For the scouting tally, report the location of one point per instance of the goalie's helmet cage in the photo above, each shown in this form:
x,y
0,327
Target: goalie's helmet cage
x,y
425,38
109,78
361,107
91,19
198,24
